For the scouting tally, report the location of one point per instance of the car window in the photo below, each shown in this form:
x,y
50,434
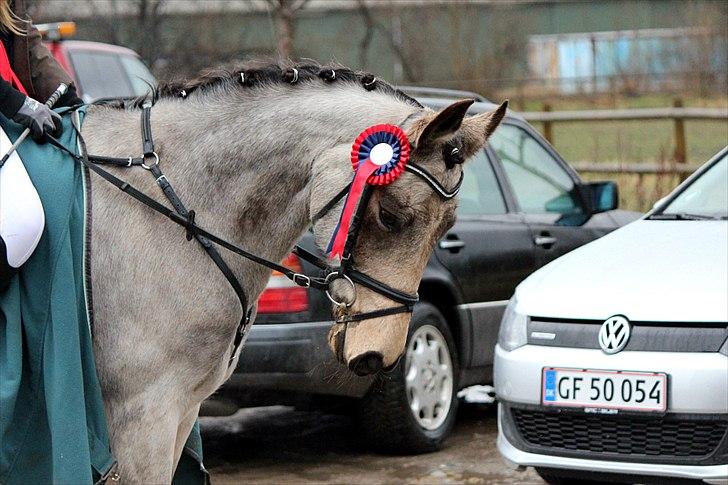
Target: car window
x,y
100,75
706,196
480,193
141,79
539,182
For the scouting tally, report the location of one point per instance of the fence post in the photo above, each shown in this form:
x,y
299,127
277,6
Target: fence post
x,y
547,133
680,146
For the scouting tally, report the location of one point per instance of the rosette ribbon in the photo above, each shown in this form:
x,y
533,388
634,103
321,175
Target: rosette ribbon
x,y
378,156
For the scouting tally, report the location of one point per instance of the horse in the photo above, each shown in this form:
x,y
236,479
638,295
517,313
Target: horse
x,y
256,150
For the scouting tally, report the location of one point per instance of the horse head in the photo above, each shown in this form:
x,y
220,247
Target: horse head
x,y
397,231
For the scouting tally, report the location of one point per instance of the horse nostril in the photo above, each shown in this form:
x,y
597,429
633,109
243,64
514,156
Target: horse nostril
x,y
366,364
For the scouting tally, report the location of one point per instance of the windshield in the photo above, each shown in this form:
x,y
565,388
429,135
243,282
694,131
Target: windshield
x,y
706,197
110,74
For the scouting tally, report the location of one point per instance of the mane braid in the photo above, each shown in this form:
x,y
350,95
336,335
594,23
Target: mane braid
x,y
252,74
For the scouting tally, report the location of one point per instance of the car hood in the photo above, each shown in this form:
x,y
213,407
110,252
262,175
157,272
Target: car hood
x,y
669,271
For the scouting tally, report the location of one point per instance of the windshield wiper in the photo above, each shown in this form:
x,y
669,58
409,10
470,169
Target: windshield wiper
x,y
682,216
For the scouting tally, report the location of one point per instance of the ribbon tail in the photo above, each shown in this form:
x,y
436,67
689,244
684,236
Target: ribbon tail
x,y
338,239
337,230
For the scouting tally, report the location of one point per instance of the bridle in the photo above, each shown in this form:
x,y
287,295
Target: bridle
x,y
180,215
347,269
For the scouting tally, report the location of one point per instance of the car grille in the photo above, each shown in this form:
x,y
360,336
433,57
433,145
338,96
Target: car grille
x,y
645,336
620,435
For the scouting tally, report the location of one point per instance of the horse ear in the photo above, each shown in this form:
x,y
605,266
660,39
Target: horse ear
x,y
494,118
477,129
445,123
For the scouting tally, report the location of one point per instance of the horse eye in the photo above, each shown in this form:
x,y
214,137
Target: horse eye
x,y
388,220
452,156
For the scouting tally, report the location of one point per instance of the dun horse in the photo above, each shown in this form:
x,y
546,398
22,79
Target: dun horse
x,y
256,156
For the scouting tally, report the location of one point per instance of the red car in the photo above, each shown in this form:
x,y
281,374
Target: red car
x,y
99,70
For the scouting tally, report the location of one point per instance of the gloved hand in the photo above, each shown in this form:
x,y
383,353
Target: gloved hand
x,y
39,118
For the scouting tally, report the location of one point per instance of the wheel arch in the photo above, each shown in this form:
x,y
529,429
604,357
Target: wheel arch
x,y
443,295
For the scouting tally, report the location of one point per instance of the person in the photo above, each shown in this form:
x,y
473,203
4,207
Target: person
x,y
28,76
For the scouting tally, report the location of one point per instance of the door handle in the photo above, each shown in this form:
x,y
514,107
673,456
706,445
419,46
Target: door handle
x,y
451,243
544,241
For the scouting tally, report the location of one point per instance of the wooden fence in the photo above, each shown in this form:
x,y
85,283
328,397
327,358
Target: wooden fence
x,y
635,168
677,113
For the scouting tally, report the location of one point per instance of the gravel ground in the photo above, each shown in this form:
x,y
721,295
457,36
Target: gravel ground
x,y
275,445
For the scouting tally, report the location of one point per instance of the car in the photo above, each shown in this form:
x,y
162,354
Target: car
x,y
612,361
99,71
520,207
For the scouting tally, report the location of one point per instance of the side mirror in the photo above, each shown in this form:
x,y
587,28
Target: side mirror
x,y
602,196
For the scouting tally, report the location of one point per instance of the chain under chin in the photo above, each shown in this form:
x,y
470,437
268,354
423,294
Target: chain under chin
x,y
340,312
337,339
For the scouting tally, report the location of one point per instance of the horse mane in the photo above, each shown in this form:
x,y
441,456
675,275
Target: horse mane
x,y
257,73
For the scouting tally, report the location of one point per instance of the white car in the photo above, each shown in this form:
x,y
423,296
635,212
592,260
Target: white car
x,y
612,361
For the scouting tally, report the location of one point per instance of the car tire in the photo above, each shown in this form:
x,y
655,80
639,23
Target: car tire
x,y
387,416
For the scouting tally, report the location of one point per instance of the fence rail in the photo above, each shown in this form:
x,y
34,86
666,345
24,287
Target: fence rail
x,y
628,114
634,168
677,113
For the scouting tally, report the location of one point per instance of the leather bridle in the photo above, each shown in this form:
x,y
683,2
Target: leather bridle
x,y
180,215
347,269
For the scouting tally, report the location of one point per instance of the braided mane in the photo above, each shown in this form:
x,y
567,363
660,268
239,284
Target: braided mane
x,y
256,73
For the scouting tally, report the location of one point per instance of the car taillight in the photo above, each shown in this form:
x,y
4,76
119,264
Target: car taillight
x,y
281,294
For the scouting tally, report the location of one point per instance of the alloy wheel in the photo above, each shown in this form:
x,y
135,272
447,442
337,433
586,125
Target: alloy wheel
x,y
428,377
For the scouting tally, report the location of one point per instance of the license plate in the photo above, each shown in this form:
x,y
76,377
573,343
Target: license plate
x,y
604,389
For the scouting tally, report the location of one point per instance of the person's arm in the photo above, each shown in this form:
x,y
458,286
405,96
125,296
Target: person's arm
x,y
10,99
27,111
46,74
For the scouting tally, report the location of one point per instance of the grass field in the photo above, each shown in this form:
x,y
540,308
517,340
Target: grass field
x,y
635,141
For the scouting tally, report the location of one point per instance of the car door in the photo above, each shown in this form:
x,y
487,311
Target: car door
x,y
546,191
488,251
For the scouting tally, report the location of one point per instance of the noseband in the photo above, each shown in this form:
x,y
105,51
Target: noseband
x,y
186,218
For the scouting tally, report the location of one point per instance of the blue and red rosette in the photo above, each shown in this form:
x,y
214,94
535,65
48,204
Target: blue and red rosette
x,y
379,156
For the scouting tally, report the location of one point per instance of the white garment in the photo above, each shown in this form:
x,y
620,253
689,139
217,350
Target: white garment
x,y
21,213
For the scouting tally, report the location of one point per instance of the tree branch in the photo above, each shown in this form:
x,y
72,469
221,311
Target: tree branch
x,y
369,25
111,26
299,5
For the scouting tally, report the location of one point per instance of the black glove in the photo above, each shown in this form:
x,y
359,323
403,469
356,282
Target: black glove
x,y
70,98
39,118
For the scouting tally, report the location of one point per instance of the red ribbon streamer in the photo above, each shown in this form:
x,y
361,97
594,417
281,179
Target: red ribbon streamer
x,y
365,169
364,174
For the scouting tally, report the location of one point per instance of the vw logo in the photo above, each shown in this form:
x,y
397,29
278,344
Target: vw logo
x,y
614,334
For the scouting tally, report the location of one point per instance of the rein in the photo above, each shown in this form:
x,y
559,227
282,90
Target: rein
x,y
180,215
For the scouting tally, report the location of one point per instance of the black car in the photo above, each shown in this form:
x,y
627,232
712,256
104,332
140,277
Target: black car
x,y
520,207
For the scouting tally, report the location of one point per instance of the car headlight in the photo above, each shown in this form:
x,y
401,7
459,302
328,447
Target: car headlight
x,y
724,349
514,328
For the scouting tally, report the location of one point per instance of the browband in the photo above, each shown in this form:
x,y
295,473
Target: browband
x,y
432,181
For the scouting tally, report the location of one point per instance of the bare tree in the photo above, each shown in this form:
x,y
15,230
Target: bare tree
x,y
149,13
145,37
284,13
372,26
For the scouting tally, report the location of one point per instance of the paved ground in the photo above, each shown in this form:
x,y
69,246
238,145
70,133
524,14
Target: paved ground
x,y
281,445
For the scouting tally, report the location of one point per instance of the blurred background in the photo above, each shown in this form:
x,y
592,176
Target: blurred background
x,y
546,56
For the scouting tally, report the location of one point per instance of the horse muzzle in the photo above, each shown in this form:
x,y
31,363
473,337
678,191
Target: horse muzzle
x,y
367,363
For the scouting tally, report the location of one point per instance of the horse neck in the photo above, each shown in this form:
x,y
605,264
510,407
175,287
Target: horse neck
x,y
244,161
